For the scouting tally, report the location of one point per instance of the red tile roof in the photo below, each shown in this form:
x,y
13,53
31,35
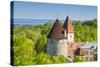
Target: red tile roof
x,y
68,25
57,30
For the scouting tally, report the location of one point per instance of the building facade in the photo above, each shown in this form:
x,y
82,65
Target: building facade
x,y
88,50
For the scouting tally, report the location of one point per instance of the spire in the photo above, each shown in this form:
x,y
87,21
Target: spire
x,y
57,30
68,25
57,20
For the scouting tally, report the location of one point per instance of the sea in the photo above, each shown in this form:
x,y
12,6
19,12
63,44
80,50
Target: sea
x,y
31,21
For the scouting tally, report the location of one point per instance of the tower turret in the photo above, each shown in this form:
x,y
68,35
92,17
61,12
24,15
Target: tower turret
x,y
68,26
57,40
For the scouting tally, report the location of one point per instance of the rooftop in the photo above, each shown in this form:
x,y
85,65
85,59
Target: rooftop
x,y
57,30
68,25
92,45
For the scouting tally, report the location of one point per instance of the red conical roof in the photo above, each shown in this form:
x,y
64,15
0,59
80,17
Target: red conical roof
x,y
57,30
68,25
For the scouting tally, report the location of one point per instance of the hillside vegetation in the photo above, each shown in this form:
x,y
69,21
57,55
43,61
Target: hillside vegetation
x,y
29,42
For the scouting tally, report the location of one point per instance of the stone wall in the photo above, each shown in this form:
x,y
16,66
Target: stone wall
x,y
57,47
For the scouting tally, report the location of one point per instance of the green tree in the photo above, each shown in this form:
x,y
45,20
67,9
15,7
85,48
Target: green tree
x,y
80,59
41,44
23,50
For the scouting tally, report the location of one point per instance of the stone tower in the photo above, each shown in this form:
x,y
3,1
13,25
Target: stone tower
x,y
59,37
69,29
57,40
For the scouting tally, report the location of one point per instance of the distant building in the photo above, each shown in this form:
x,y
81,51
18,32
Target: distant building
x,y
88,50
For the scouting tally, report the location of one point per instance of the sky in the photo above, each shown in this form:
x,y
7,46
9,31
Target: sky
x,y
36,10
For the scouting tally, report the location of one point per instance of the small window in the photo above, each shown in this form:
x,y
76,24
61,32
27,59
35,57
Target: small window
x,y
91,52
71,45
86,52
70,36
57,40
51,41
54,52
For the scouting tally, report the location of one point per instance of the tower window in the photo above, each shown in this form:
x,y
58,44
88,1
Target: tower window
x,y
54,52
51,41
71,45
70,36
57,40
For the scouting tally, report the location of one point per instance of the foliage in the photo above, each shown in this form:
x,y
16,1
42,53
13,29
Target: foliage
x,y
43,58
90,23
41,44
85,31
29,45
23,49
29,42
80,59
